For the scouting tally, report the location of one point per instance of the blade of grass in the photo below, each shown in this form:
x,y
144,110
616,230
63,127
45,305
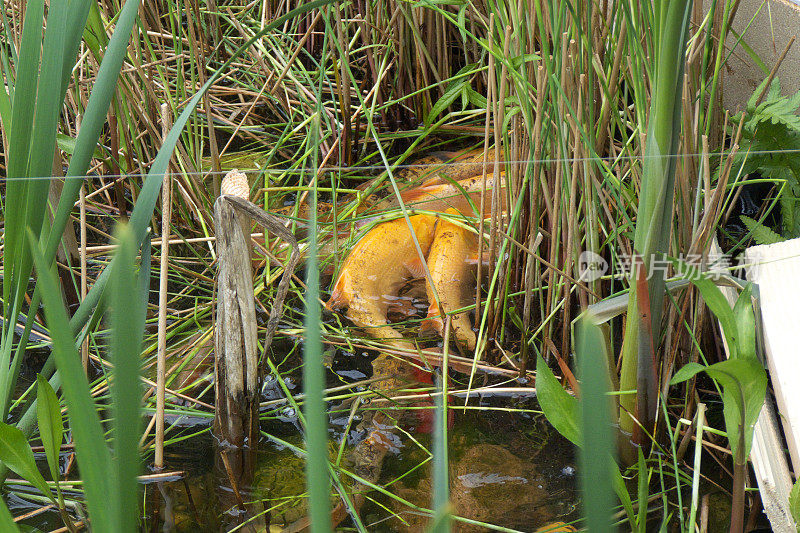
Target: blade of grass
x,y
94,459
127,327
441,484
598,444
317,479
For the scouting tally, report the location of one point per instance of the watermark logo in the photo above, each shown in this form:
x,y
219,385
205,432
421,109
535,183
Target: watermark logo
x,y
591,266
689,266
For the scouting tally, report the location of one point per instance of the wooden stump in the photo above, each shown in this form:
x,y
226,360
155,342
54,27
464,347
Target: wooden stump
x,y
237,380
236,362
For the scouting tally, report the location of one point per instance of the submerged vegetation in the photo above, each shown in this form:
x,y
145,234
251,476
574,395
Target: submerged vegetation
x,y
513,146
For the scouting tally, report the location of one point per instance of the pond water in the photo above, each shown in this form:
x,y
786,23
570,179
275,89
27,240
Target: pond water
x,y
510,469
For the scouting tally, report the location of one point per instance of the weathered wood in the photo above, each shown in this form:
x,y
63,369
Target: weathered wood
x,y
237,382
236,343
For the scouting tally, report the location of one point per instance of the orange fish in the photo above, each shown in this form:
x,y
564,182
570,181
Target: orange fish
x,y
377,266
454,166
439,195
556,527
450,263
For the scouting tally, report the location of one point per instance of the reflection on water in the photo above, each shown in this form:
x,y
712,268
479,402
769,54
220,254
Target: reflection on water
x,y
507,469
499,474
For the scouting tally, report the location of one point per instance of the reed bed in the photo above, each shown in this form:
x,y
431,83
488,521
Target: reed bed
x,y
332,107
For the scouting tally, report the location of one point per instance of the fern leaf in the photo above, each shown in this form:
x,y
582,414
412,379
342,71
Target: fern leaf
x,y
761,233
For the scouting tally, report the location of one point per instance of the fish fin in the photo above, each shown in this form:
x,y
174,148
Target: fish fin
x,y
415,267
433,322
340,296
422,190
403,306
473,258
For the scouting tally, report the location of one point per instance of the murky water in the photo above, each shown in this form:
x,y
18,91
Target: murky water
x,y
507,469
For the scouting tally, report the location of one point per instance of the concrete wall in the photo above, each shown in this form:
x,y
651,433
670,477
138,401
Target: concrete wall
x,y
772,24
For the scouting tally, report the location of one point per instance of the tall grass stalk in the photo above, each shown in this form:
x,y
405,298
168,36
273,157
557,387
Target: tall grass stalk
x,y
655,212
317,481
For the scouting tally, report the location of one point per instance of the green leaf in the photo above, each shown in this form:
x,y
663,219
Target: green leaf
x,y
596,455
5,109
788,207
794,501
717,303
744,384
94,459
316,417
6,520
16,259
94,34
761,233
558,406
127,327
462,22
618,482
453,91
751,102
67,145
687,371
644,481
744,388
475,98
16,454
746,324
517,61
51,425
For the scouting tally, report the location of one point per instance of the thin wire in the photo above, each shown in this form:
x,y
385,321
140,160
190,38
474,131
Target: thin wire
x,y
298,170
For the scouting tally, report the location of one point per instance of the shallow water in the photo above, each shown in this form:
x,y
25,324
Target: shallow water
x,y
508,469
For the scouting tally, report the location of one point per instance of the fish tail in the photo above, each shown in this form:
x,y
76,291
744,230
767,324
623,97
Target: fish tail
x,y
372,319
340,296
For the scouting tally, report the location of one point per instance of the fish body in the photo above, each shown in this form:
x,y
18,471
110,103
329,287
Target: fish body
x,y
431,182
463,195
556,527
377,266
453,166
450,261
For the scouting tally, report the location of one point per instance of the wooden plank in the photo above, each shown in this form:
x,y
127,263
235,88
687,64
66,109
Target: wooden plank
x,y
775,269
767,456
